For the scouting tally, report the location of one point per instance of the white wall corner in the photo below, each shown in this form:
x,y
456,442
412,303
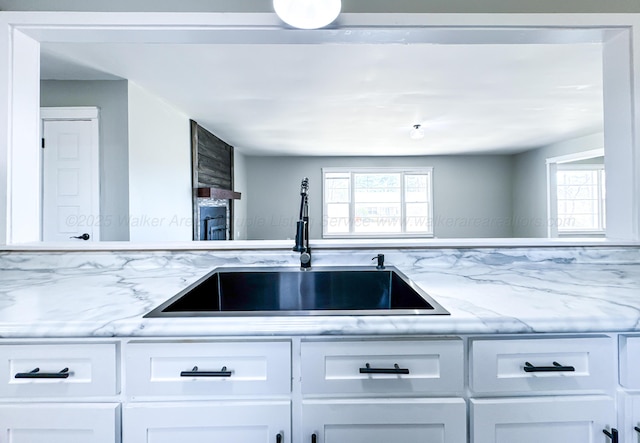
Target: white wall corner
x,y
24,157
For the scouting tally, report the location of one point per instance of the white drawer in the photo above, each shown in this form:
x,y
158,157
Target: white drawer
x,y
56,370
188,368
630,361
392,367
500,366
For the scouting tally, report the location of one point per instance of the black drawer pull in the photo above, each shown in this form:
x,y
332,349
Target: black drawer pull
x,y
37,374
613,435
557,367
195,373
279,437
637,429
395,370
314,438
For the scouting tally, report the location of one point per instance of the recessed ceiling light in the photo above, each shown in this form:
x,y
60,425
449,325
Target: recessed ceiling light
x,y
416,132
307,14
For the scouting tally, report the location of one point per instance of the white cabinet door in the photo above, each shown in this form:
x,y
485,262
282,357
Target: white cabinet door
x,y
577,419
207,422
59,423
629,418
434,420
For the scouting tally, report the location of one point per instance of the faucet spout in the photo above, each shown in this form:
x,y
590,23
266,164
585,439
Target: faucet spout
x,y
302,227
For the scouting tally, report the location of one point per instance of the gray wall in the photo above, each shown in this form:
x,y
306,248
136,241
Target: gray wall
x,y
530,183
472,194
111,98
410,6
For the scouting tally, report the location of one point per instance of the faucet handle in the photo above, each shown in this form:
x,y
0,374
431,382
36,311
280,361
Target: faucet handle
x,y
380,258
304,186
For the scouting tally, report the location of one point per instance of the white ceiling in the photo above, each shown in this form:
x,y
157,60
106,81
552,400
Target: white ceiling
x,y
359,99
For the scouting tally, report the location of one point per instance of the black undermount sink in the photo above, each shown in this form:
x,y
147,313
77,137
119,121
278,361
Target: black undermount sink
x,y
267,291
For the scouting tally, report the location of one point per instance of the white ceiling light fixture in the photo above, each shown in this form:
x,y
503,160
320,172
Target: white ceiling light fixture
x,y
307,14
416,132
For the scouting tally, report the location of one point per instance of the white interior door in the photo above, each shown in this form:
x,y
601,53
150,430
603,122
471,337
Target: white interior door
x,y
70,179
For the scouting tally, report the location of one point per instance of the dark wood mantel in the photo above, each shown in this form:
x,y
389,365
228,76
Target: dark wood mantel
x,y
220,194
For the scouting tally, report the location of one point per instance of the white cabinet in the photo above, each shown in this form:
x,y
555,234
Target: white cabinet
x,y
64,369
206,422
382,390
60,423
59,392
342,390
207,368
566,419
397,367
629,417
630,361
629,399
496,389
202,391
384,420
552,389
508,366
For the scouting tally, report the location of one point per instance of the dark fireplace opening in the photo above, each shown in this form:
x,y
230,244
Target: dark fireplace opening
x,y
213,223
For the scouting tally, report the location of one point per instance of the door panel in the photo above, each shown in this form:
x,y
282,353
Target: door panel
x,y
70,192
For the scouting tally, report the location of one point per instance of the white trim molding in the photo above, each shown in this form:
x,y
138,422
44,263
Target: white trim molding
x,y
22,32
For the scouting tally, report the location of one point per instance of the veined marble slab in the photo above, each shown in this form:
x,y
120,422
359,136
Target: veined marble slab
x,y
510,290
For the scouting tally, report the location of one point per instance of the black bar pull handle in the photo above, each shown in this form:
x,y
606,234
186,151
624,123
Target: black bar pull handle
x,y
637,429
35,373
279,437
395,370
613,435
557,367
314,438
195,373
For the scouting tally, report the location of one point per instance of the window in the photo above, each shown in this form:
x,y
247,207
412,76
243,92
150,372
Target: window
x,y
377,202
580,198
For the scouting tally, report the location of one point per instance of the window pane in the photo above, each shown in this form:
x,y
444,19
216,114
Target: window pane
x,y
577,177
584,222
376,188
581,206
377,225
337,218
418,218
416,188
336,190
574,191
338,210
381,218
580,200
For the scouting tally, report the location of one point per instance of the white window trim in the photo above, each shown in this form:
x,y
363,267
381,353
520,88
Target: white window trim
x,y
374,170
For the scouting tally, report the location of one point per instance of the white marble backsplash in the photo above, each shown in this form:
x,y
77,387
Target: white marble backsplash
x,y
78,294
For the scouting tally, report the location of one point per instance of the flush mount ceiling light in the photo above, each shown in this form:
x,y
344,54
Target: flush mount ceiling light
x,y
416,133
307,14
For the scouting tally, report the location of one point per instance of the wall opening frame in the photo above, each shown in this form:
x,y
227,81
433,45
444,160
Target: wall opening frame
x,y
22,32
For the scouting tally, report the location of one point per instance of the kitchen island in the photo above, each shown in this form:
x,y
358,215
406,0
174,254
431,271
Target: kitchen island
x,y
537,339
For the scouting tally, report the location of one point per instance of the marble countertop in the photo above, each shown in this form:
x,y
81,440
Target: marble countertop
x,y
503,290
